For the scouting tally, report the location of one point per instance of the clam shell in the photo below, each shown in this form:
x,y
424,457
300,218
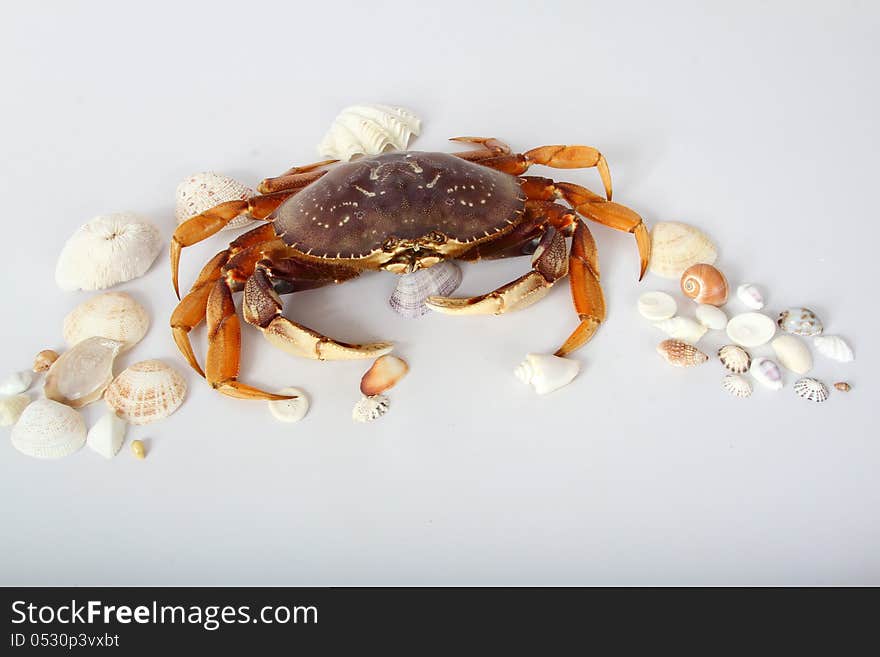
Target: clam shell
x,y
383,375
47,430
202,191
657,306
81,375
11,409
792,354
146,392
704,284
290,410
750,296
546,373
16,382
43,360
411,291
767,373
107,435
843,386
675,246
737,385
680,353
800,321
751,329
370,408
682,328
811,389
735,358
114,315
107,250
711,316
369,130
834,347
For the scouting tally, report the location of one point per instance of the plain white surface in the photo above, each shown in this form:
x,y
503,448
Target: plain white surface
x,y
755,121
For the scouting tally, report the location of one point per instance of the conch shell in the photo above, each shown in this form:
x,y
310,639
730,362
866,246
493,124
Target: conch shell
x,y
81,375
369,130
547,373
682,328
680,353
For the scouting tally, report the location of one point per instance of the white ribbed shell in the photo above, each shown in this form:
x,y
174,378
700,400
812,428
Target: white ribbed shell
x,y
202,191
369,130
48,430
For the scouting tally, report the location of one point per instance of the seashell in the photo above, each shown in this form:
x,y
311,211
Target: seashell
x,y
792,354
750,295
48,430
81,375
811,389
107,435
547,373
711,316
146,392
16,382
751,329
113,315
369,130
734,358
800,321
202,191
834,347
370,408
704,284
657,306
139,449
109,249
737,385
843,386
680,353
767,373
290,410
383,375
676,246
408,298
11,409
682,328
43,360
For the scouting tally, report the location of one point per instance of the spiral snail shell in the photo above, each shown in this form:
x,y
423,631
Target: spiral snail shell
x,y
704,284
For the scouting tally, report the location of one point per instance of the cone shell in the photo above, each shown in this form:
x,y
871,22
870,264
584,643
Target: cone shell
x,y
657,306
114,315
750,296
202,191
11,409
711,316
843,386
408,298
47,429
800,321
792,353
751,329
704,284
81,375
546,373
676,246
16,382
107,435
767,373
146,392
811,389
735,358
370,408
682,328
290,410
737,385
43,360
834,347
383,375
369,130
680,353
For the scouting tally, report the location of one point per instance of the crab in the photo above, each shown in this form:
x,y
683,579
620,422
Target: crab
x,y
400,211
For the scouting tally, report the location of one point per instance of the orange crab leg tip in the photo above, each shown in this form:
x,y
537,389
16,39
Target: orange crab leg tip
x,y
175,265
238,390
643,241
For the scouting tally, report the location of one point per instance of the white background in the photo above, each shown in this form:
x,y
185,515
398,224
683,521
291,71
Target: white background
x,y
754,121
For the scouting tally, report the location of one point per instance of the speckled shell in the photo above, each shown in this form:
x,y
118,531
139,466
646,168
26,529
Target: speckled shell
x,y
704,284
370,408
47,429
735,358
411,291
792,354
811,389
114,315
369,130
680,353
202,191
799,321
834,347
657,306
767,373
385,372
146,392
737,385
81,375
676,246
682,328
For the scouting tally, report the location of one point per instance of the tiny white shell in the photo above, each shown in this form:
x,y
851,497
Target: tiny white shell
x,y
735,358
767,373
146,392
47,429
107,435
547,373
11,409
290,410
834,347
369,130
711,316
737,385
751,329
675,246
811,389
411,291
370,408
202,191
657,306
682,328
750,296
16,382
114,315
81,375
792,354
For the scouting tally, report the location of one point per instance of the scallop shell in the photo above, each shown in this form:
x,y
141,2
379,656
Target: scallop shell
x,y
800,321
383,375
834,347
408,298
47,429
750,295
792,354
657,306
676,246
11,409
735,358
43,360
704,284
737,385
290,410
767,373
114,315
711,316
16,382
811,389
202,191
369,130
547,373
370,408
751,329
146,392
843,386
81,375
107,250
107,435
682,328
680,353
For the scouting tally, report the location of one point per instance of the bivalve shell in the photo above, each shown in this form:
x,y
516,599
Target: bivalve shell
x,y
369,130
735,358
675,246
11,409
107,435
750,296
737,385
114,315
47,430
751,329
834,347
657,306
792,354
383,375
411,291
704,284
711,316
81,375
202,191
146,392
370,408
290,410
811,389
546,373
16,382
682,328
767,373
800,321
680,353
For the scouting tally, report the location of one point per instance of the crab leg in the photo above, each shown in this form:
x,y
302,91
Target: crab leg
x,y
583,275
295,177
489,147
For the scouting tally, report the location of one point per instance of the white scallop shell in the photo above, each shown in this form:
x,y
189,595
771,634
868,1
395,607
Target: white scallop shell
x,y
834,347
202,191
711,316
750,295
370,408
107,435
735,358
792,354
107,250
737,385
16,382
682,328
547,373
146,392
47,429
811,389
767,373
751,329
290,410
11,409
411,291
369,130
675,246
81,375
657,306
114,315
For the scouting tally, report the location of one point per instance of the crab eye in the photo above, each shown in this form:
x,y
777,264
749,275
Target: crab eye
x,y
438,237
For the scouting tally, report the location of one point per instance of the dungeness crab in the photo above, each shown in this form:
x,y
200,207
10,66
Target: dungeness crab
x,y
398,212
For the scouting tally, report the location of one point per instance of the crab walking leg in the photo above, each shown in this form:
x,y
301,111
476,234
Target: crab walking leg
x,y
262,308
489,147
589,301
